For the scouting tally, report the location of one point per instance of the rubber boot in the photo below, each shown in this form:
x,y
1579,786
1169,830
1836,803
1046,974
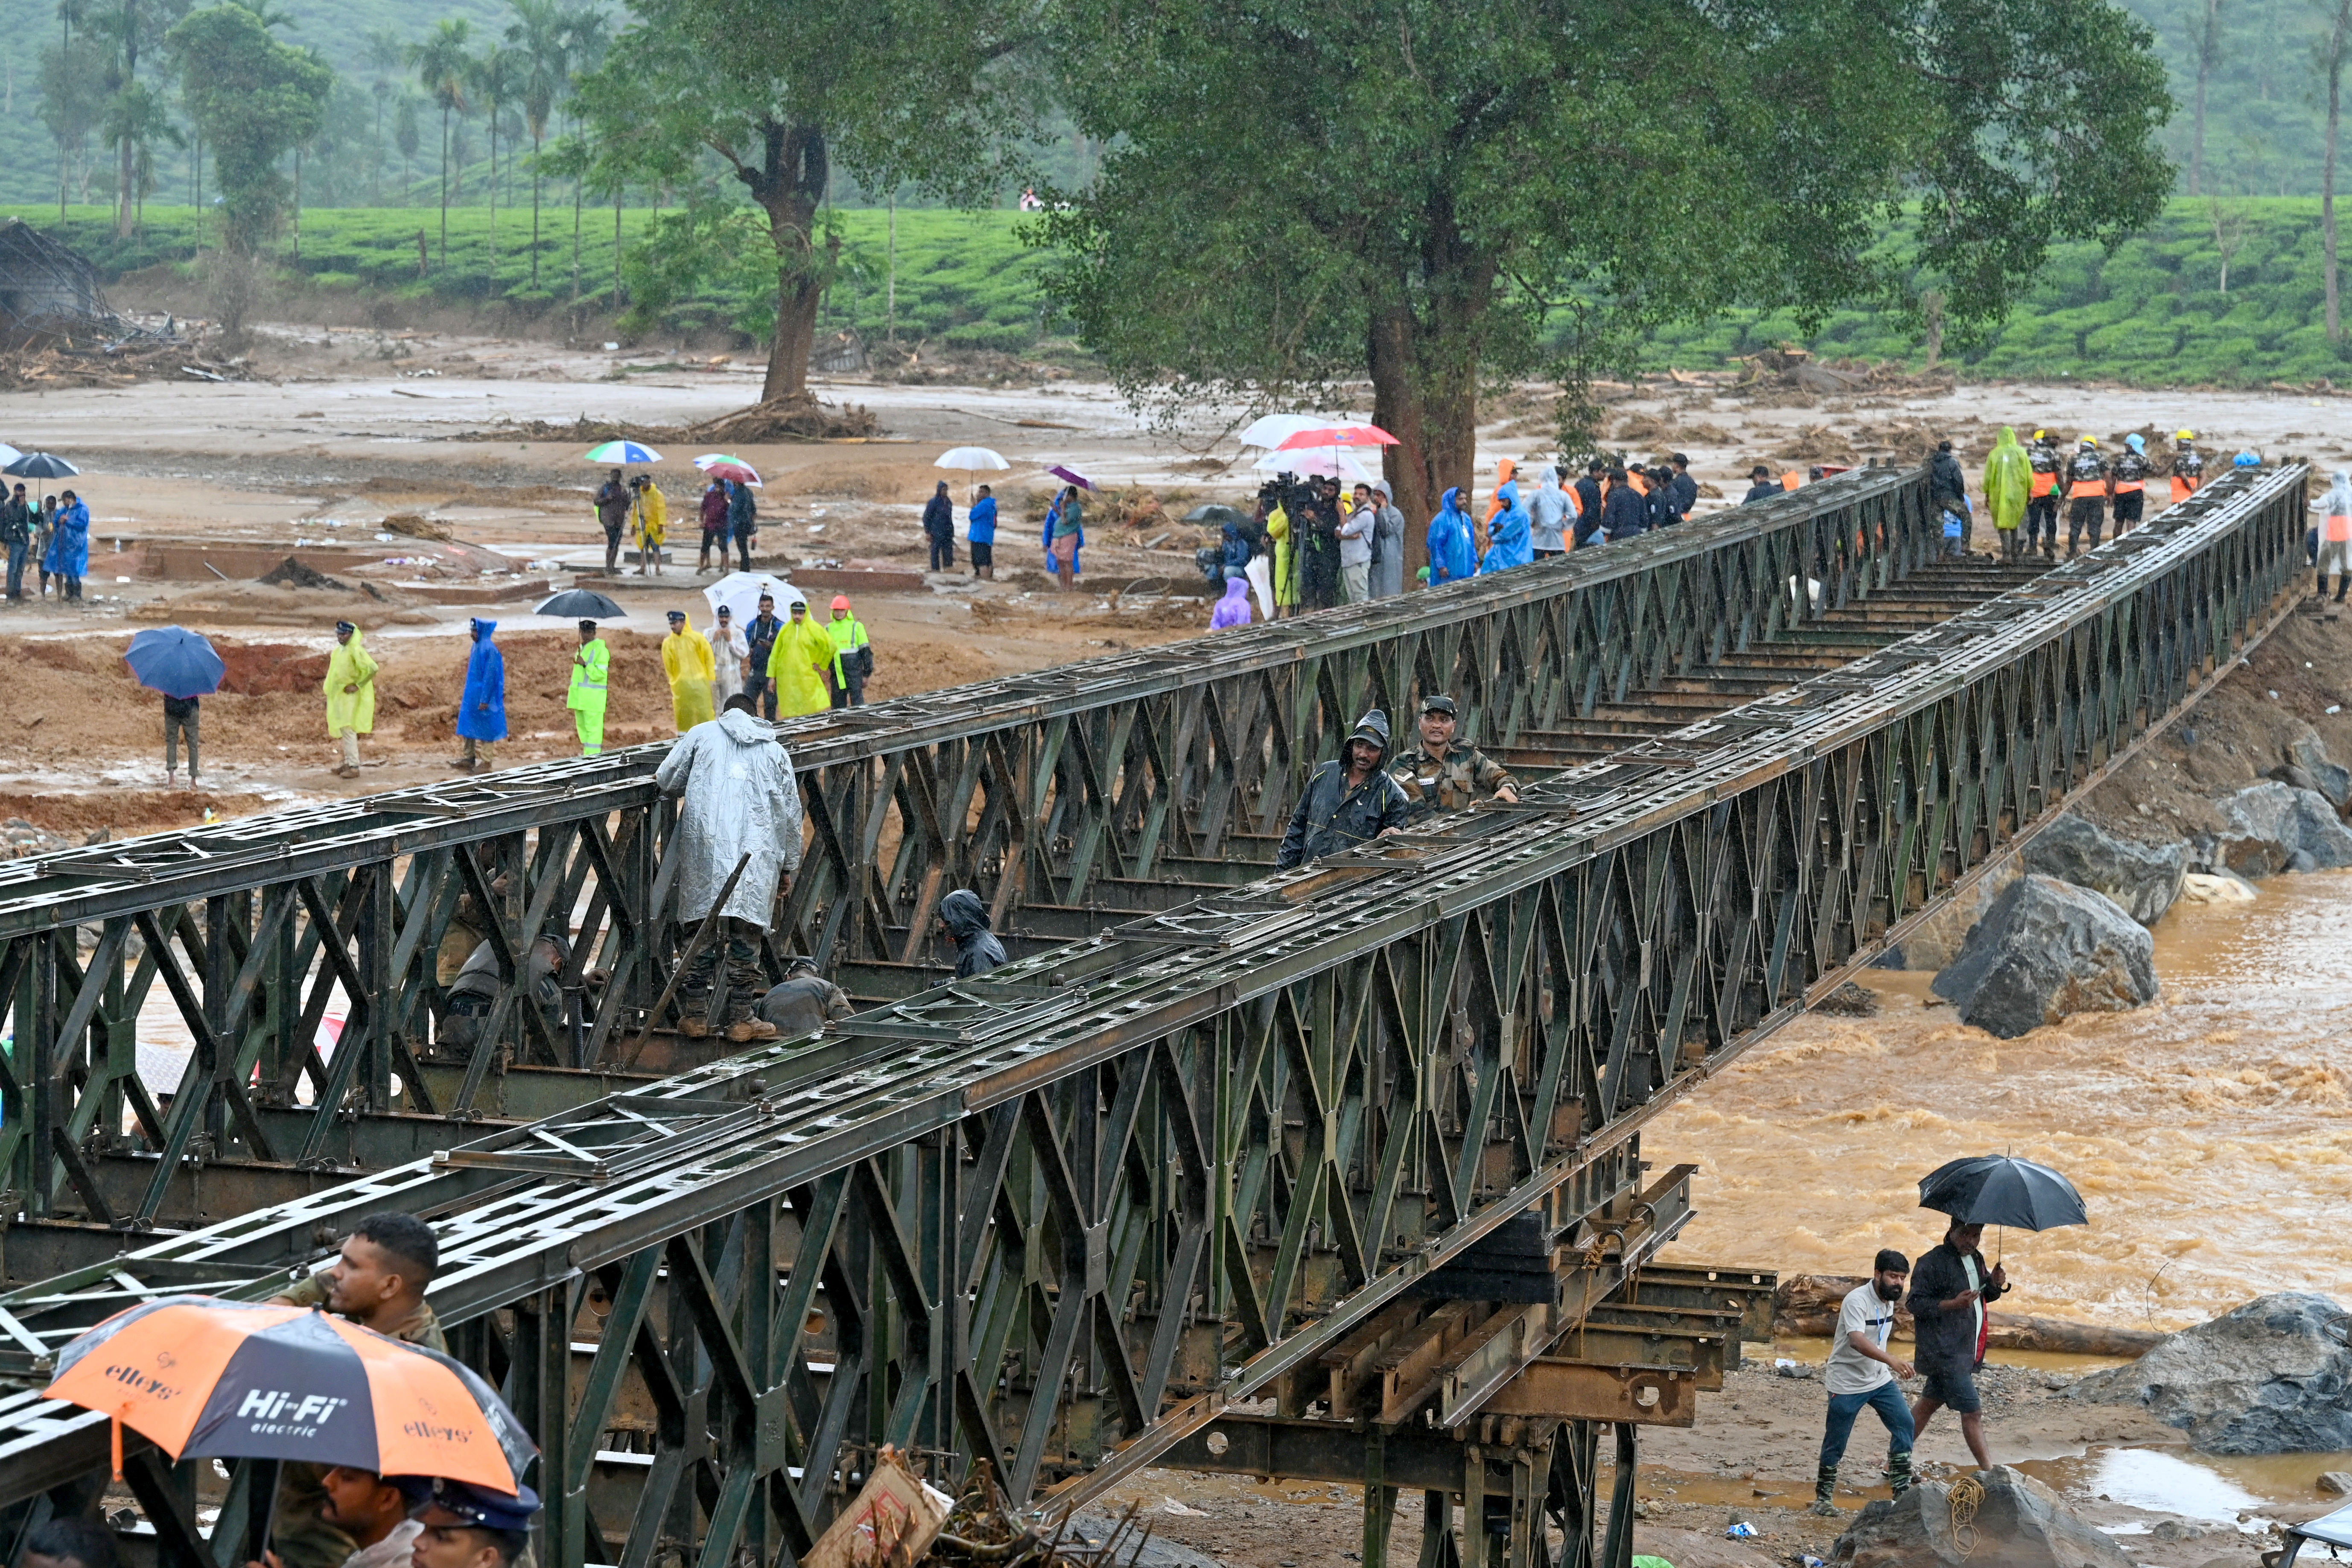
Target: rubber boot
x,y
1899,1473
1824,1488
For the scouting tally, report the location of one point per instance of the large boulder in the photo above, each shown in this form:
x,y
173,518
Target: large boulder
x,y
2019,1523
2143,878
2268,824
2332,779
2046,949
2272,1377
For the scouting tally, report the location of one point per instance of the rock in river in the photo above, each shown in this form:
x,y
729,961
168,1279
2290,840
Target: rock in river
x,y
2268,823
2019,1523
2045,949
2143,878
2272,1377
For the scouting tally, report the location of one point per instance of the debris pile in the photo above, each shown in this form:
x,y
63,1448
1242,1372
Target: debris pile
x,y
292,573
47,360
980,1529
799,417
19,838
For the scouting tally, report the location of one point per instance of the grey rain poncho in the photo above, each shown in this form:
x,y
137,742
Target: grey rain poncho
x,y
739,799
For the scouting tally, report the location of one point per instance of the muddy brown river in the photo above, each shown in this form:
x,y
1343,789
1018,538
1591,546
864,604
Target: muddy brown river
x,y
2208,1133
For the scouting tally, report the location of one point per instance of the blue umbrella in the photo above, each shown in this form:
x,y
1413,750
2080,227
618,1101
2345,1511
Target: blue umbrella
x,y
622,452
176,662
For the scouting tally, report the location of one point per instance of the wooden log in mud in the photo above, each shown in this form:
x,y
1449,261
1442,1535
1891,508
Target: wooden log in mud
x,y
1806,1305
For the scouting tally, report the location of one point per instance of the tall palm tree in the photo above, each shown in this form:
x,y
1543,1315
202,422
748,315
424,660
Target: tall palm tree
x,y
442,62
385,53
587,33
540,32
496,73
404,136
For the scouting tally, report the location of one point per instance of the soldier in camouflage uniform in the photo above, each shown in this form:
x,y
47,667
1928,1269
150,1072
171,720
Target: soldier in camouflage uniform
x,y
1441,776
379,1283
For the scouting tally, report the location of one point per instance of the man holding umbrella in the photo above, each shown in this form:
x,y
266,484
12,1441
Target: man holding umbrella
x,y
592,668
1952,1289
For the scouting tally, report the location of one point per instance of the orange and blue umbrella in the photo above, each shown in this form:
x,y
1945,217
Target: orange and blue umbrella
x,y
207,1378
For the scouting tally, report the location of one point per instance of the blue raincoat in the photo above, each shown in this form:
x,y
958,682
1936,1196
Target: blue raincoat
x,y
486,683
69,555
1510,542
1452,551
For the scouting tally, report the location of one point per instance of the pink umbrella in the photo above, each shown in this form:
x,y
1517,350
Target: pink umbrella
x,y
1340,436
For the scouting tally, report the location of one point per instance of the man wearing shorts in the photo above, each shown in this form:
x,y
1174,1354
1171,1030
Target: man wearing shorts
x,y
1950,1292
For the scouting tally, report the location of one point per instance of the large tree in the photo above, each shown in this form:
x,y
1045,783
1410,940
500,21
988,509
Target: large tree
x,y
1298,192
252,100
772,94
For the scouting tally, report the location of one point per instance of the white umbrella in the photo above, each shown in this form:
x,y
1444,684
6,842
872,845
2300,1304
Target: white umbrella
x,y
740,591
8,454
976,458
1274,429
1322,463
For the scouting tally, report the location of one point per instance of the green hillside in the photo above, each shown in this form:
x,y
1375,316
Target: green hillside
x,y
2153,313
964,280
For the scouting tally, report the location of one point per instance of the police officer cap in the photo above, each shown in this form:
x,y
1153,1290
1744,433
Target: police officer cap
x,y
677,614
482,1507
1440,704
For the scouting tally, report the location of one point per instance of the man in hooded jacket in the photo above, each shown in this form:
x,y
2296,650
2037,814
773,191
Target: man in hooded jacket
x,y
1388,545
689,666
2008,482
349,689
939,527
798,665
1507,534
1451,555
965,919
739,806
1348,801
1549,512
482,710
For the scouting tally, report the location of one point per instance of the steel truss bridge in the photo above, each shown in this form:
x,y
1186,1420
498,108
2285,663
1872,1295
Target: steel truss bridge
x,y
1330,1173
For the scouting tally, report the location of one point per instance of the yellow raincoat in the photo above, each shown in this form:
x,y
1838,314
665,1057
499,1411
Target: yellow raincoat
x,y
797,665
350,665
653,516
688,661
1285,585
2007,476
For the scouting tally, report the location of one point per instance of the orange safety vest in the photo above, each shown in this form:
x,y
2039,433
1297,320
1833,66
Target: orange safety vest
x,y
1790,480
2183,487
2088,487
2339,528
2042,485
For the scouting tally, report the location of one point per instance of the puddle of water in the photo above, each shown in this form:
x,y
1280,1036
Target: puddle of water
x,y
2193,1485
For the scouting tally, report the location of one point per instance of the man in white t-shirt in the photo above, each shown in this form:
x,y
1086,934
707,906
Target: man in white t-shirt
x,y
1860,1372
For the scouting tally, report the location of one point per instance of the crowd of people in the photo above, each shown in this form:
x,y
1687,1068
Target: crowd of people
x,y
634,512
51,538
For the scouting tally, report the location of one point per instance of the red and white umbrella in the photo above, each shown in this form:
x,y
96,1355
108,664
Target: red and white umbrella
x,y
1339,435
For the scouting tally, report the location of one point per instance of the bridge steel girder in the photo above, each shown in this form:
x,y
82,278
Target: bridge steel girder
x,y
1072,787
1062,1217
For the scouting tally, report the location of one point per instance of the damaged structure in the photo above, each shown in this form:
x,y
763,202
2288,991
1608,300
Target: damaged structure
x,y
47,288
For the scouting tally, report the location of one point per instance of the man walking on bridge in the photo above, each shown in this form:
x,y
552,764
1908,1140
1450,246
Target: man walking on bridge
x,y
2088,486
1348,801
1861,1373
1441,776
738,806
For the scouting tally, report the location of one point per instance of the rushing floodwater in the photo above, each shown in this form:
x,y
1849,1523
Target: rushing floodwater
x,y
2208,1132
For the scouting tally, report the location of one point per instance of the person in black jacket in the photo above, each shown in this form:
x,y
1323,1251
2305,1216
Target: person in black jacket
x,y
742,522
1951,1292
1588,503
939,524
1626,512
965,919
1686,489
1947,490
1761,485
1665,500
1348,801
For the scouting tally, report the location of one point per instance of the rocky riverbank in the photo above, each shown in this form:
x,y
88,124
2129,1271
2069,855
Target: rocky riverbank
x,y
2254,781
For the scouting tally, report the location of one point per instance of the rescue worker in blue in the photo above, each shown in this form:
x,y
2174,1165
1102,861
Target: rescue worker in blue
x,y
1349,802
1452,551
482,711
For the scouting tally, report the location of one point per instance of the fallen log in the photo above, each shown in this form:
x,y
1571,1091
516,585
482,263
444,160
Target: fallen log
x,y
1806,1306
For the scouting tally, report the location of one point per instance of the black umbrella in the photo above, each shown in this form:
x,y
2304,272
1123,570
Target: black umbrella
x,y
41,466
581,604
1220,515
2000,1189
